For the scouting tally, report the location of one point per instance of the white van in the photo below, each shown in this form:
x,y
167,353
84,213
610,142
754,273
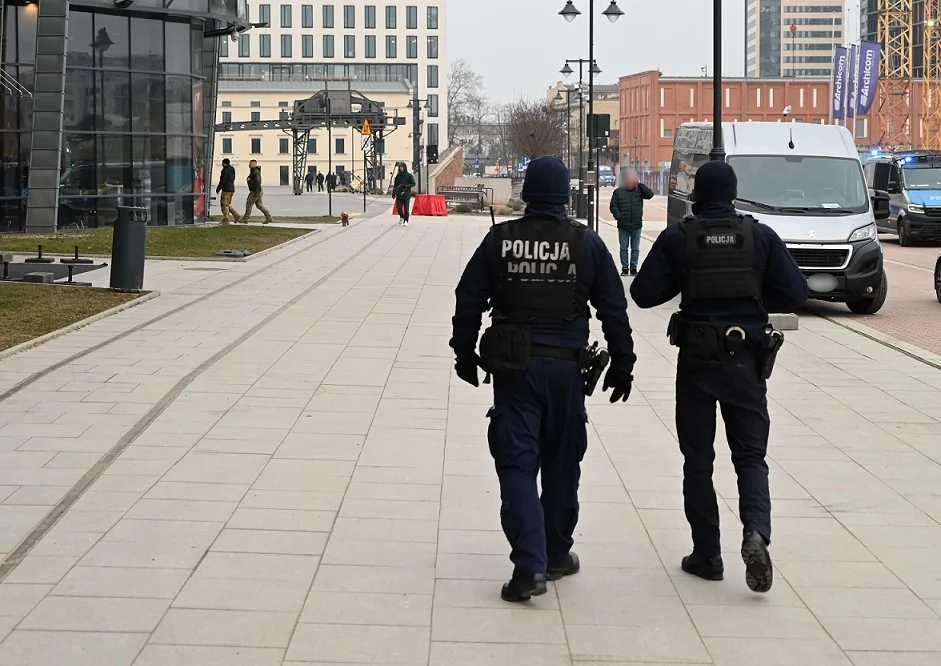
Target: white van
x,y
806,182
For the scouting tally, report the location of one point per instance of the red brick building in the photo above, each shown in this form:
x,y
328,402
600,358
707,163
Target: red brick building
x,y
653,106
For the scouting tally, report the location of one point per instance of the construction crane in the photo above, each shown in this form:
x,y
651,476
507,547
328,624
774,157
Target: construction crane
x,y
895,33
931,84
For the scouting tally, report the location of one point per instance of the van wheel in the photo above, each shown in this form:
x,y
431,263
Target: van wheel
x,y
905,240
937,280
872,305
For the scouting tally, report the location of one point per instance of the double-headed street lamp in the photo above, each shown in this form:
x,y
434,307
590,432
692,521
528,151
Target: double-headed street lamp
x,y
612,13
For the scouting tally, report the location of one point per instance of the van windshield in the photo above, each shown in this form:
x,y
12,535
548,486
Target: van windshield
x,y
920,178
824,185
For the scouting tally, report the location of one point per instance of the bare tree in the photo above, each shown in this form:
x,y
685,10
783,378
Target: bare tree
x,y
463,86
534,129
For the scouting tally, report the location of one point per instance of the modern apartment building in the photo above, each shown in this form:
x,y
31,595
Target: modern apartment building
x,y
792,38
365,41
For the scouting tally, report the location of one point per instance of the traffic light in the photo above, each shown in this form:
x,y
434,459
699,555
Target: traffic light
x,y
432,157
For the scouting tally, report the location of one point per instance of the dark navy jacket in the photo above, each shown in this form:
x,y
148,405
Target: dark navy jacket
x,y
605,293
784,288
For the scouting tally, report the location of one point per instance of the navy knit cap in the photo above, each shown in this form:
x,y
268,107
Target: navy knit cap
x,y
715,183
546,181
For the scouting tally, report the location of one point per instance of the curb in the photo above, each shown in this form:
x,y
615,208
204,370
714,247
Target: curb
x,y
229,260
910,350
35,342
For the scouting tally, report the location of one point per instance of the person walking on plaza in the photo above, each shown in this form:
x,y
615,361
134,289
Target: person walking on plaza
x,y
226,190
320,182
728,268
309,178
535,350
627,207
331,182
402,191
255,193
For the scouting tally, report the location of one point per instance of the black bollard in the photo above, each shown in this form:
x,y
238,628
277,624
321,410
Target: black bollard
x,y
73,283
38,259
76,259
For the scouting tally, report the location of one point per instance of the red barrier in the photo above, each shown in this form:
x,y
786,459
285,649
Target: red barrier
x,y
428,205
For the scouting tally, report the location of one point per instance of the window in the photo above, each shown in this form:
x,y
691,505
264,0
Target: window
x,y
226,117
285,46
255,105
432,18
264,14
226,103
432,48
411,17
411,47
256,116
432,106
264,46
432,134
391,17
370,46
224,48
283,147
227,146
285,16
432,80
328,46
307,16
256,146
341,147
392,50
328,16
284,105
349,16
861,127
370,17
284,173
822,180
349,46
311,146
245,46
307,46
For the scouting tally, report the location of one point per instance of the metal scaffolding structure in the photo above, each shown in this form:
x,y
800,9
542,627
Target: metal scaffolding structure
x,y
931,105
895,105
329,110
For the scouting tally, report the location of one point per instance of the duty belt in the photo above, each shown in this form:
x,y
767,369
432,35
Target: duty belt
x,y
546,351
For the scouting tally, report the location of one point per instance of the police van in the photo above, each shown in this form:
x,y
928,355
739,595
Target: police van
x,y
806,182
913,181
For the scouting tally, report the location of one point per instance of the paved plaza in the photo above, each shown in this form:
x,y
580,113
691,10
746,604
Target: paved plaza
x,y
273,463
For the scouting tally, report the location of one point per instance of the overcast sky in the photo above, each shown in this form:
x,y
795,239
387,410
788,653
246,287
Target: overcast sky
x,y
519,46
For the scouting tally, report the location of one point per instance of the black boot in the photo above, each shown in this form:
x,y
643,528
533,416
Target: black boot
x,y
521,588
707,568
570,567
758,571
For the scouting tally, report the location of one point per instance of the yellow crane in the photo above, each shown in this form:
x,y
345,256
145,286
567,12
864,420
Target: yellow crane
x,y
931,93
895,104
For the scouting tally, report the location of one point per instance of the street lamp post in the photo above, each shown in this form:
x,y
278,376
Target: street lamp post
x,y
568,123
415,105
567,71
718,149
612,13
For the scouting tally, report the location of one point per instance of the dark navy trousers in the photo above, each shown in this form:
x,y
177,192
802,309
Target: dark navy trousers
x,y
538,424
742,397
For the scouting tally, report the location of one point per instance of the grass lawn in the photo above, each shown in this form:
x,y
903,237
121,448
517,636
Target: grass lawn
x,y
28,311
303,219
161,241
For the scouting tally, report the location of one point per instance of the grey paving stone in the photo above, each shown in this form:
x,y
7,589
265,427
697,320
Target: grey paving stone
x,y
228,628
60,648
372,644
194,655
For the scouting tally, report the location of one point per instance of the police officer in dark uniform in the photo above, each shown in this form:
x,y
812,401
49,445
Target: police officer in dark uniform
x,y
538,275
731,270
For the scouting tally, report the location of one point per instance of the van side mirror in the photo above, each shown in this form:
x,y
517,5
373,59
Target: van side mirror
x,y
880,205
894,187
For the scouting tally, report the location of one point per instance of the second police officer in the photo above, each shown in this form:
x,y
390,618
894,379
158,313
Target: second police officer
x,y
538,275
730,270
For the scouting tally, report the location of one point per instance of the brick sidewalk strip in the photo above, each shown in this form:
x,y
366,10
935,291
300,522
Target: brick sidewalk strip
x,y
300,479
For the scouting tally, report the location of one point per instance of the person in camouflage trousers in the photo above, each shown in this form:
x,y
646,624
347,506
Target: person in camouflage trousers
x,y
226,190
255,193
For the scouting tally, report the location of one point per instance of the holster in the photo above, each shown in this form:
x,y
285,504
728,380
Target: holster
x,y
771,345
505,349
592,361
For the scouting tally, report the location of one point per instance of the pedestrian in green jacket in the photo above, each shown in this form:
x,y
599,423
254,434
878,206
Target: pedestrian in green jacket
x,y
402,191
255,193
627,206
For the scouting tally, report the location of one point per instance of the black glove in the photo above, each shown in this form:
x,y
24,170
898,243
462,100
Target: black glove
x,y
466,368
620,381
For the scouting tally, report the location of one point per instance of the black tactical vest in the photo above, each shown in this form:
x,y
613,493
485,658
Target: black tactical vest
x,y
534,269
721,260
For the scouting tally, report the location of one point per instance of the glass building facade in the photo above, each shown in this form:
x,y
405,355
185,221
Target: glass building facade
x,y
137,106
